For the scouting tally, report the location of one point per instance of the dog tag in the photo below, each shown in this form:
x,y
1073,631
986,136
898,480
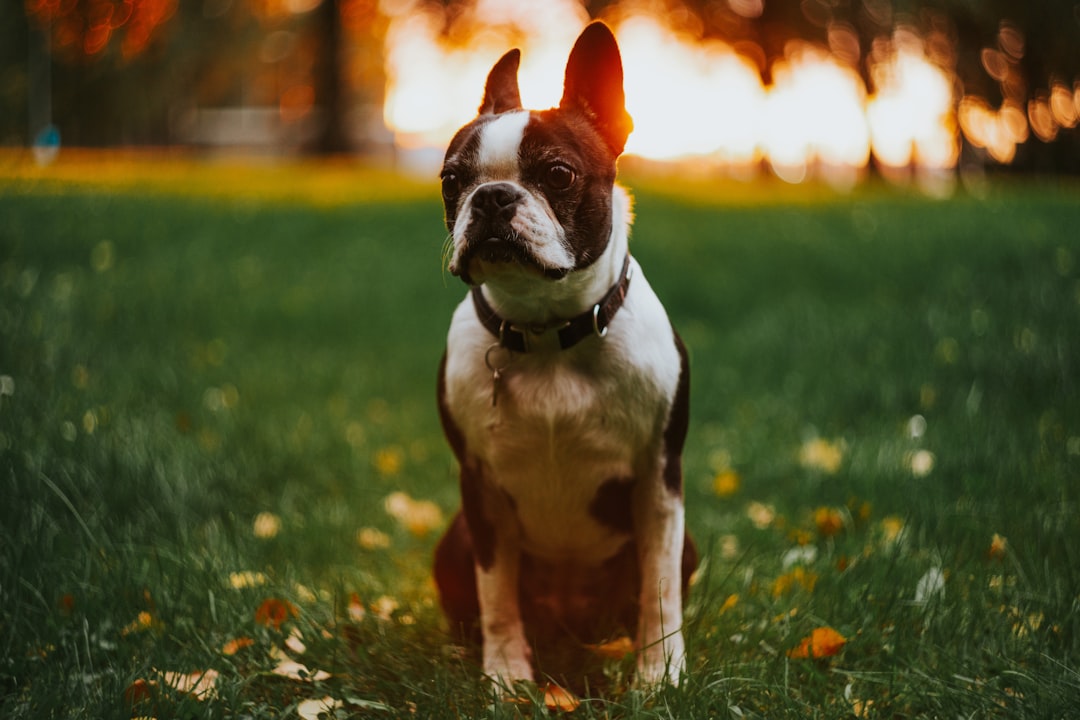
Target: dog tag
x,y
496,372
496,376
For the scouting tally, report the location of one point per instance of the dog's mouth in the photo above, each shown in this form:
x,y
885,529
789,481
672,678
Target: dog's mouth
x,y
499,249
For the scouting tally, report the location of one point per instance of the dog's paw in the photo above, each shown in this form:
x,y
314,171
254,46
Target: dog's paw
x,y
503,672
663,661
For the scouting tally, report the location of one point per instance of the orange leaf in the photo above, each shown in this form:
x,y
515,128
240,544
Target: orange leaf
x,y
829,521
273,612
139,692
998,547
557,698
615,649
236,645
821,643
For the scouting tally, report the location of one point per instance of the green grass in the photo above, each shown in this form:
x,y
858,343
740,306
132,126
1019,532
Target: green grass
x,y
174,364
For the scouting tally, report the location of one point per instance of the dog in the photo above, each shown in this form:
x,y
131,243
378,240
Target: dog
x,y
564,389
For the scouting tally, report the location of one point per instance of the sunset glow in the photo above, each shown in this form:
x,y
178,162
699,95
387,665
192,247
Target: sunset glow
x,y
690,98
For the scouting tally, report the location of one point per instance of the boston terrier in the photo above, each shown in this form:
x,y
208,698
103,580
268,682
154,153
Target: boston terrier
x,y
564,389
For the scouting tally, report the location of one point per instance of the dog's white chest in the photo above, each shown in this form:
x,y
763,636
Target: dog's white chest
x,y
565,425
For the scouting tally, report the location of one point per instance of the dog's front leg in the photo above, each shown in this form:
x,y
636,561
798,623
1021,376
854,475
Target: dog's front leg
x,y
506,651
660,527
493,526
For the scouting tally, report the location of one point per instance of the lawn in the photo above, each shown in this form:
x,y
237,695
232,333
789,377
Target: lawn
x,y
223,474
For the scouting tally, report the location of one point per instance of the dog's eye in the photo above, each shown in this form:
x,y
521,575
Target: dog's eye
x,y
559,176
451,185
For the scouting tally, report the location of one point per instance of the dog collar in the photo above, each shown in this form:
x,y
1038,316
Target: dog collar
x,y
593,321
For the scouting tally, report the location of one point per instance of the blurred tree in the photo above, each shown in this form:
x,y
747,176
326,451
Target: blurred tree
x,y
130,71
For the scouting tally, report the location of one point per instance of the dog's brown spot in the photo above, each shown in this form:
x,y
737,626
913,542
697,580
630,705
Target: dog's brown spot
x,y
613,505
678,422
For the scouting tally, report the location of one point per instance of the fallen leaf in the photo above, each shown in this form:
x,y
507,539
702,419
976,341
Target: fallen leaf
x,y
201,685
139,692
273,612
312,709
615,649
356,608
821,643
295,642
555,698
236,645
998,547
293,670
385,607
560,699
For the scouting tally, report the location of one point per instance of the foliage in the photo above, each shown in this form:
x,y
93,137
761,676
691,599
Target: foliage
x,y
223,472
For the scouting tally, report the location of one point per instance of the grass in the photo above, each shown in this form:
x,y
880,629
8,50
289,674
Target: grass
x,y
885,441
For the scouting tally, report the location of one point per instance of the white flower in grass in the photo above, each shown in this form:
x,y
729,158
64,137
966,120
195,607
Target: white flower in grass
x,y
931,586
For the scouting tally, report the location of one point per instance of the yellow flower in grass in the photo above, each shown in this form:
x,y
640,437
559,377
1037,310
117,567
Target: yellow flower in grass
x,y
760,514
823,455
266,525
829,521
726,483
388,460
800,577
418,516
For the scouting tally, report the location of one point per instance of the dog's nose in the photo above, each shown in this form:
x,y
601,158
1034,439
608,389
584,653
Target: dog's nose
x,y
496,200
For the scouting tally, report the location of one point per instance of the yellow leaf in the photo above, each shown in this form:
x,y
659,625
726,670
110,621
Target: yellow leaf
x,y
998,546
615,649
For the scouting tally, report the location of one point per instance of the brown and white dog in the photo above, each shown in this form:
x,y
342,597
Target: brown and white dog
x,y
564,389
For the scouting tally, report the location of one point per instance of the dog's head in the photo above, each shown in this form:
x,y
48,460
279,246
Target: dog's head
x,y
529,193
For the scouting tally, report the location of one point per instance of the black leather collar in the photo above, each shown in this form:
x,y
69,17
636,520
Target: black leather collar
x,y
593,321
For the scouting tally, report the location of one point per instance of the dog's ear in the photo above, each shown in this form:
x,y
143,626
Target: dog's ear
x,y
501,90
594,85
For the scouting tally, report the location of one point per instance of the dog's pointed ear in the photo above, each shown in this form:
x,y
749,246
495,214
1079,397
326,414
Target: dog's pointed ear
x,y
594,85
501,91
